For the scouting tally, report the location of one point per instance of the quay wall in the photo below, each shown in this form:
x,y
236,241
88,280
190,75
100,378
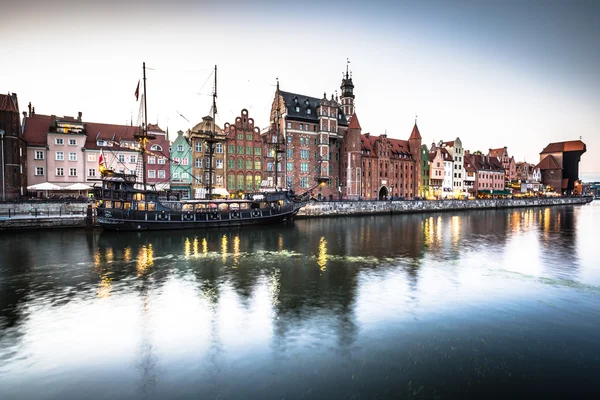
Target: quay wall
x,y
349,208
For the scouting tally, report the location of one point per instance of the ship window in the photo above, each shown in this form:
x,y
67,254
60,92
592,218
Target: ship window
x,y
234,206
142,206
108,204
244,206
117,204
151,206
126,206
223,206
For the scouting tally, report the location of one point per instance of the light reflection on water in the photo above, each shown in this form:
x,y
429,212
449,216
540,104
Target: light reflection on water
x,y
409,305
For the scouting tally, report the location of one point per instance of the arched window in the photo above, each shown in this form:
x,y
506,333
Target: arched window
x,y
156,147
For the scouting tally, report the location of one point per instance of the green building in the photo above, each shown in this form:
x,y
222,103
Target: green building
x,y
181,167
424,171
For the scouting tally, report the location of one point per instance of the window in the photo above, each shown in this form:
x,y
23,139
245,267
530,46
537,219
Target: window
x,y
92,172
207,163
249,182
248,136
240,136
198,147
230,149
249,150
257,151
72,171
297,109
151,173
240,149
59,156
304,154
308,112
151,160
248,164
270,166
289,125
304,181
290,153
290,166
72,156
176,160
231,182
39,171
301,127
156,147
161,173
240,182
219,148
121,157
72,142
220,180
219,164
60,172
59,141
198,178
304,167
230,163
240,163
91,157
175,175
257,165
132,159
39,155
185,161
162,160
179,147
289,180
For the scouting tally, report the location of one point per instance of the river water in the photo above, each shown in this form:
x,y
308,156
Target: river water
x,y
484,303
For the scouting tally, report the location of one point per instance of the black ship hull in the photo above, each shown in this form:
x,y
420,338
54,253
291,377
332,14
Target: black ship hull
x,y
142,221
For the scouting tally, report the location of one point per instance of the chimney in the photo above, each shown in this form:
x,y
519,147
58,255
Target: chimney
x,y
32,111
79,114
29,107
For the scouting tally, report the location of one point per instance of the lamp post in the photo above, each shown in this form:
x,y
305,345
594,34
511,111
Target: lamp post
x,y
3,184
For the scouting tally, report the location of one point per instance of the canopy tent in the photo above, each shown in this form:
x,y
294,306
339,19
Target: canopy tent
x,y
78,186
202,192
45,186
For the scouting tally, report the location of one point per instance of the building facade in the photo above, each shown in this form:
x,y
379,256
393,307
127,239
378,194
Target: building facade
x,y
201,167
181,166
508,163
559,165
13,150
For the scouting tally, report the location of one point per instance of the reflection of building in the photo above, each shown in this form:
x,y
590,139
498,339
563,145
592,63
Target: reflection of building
x,y
244,154
181,166
13,157
559,164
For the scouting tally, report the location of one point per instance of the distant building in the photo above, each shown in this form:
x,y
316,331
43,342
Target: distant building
x,y
181,167
489,175
197,137
436,171
13,155
424,187
559,165
508,163
456,151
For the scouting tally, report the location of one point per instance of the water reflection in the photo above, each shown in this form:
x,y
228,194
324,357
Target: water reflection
x,y
279,297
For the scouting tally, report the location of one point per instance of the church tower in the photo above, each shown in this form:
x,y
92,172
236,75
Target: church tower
x,y
414,145
352,161
347,94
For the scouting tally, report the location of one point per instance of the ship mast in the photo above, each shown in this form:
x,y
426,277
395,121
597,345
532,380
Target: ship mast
x,y
212,139
143,137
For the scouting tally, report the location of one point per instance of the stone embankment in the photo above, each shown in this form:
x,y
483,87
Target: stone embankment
x,y
349,208
31,216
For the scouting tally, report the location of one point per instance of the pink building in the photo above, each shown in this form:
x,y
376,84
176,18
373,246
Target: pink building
x,y
508,163
436,170
489,175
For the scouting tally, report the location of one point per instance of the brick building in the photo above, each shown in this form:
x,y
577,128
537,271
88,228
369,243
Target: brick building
x,y
13,150
201,166
508,163
559,165
244,157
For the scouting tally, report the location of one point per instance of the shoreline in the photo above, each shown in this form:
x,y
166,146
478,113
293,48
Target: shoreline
x,y
55,217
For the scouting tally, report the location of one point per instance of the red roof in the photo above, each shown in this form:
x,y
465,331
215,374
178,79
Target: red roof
x,y
415,134
9,103
572,145
96,131
549,162
496,152
36,128
448,144
154,128
445,155
397,146
354,124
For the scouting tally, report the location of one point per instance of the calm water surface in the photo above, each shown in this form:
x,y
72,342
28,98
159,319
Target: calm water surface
x,y
493,303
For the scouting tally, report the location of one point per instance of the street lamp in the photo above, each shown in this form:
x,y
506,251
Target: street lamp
x,y
3,184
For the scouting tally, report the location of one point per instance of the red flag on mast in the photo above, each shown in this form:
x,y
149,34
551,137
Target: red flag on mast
x,y
137,91
101,165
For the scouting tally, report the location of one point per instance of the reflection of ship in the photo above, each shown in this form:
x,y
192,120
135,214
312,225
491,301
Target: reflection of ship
x,y
125,204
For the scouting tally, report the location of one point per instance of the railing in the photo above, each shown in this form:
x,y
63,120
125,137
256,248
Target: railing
x,y
41,211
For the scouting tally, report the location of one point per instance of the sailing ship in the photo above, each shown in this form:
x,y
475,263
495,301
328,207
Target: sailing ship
x,y
126,204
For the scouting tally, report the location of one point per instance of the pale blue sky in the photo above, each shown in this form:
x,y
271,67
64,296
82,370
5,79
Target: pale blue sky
x,y
509,73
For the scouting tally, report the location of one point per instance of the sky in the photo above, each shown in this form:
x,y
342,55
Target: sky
x,y
509,73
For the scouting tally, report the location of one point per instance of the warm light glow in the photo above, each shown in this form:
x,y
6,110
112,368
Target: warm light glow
x,y
280,242
104,287
145,259
204,247
195,246
322,257
187,246
236,250
110,255
127,254
455,229
224,248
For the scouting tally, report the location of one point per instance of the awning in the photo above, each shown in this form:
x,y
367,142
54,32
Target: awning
x,y
202,192
78,186
45,186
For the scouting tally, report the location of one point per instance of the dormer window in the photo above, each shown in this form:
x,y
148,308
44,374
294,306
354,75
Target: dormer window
x,y
308,111
297,109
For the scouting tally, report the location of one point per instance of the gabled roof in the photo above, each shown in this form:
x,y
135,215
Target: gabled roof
x,y
9,103
549,162
572,145
397,147
447,144
445,155
36,128
354,124
291,100
415,134
206,126
496,152
97,131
